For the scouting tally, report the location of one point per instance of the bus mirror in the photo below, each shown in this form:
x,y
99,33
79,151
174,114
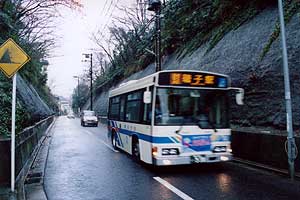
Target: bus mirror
x,y
147,97
239,97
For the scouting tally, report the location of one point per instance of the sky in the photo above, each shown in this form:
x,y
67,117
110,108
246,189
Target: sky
x,y
73,35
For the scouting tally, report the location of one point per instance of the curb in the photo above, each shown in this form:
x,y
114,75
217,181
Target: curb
x,y
34,181
265,167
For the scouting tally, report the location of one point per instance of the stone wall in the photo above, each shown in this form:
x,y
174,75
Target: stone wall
x,y
29,97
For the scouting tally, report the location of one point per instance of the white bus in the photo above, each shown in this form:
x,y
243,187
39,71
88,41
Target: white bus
x,y
173,117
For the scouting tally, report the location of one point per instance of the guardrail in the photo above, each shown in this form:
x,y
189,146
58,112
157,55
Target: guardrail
x,y
26,142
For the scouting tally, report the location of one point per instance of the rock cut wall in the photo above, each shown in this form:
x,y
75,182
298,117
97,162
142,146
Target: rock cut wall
x,y
238,55
29,97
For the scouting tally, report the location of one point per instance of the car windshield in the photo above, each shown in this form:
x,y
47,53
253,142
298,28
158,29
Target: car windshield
x,y
89,113
205,108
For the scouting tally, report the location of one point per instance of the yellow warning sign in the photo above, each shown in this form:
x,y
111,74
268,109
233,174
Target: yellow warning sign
x,y
12,58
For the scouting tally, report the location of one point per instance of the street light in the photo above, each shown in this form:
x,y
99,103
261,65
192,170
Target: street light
x,y
78,93
155,5
288,101
90,56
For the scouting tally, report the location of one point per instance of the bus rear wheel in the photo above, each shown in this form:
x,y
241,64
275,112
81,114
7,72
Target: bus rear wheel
x,y
136,149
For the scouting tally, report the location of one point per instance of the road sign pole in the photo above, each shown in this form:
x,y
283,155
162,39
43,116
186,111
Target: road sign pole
x,y
13,133
12,58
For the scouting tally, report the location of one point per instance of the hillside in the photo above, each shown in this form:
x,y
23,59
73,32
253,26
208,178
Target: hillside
x,y
242,54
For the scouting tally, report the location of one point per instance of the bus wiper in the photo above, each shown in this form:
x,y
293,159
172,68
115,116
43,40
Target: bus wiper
x,y
213,126
181,125
199,121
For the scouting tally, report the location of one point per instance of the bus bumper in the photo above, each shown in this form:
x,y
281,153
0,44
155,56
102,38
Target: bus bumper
x,y
183,160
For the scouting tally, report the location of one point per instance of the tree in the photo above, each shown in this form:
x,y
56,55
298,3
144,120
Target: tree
x,y
130,36
80,96
30,24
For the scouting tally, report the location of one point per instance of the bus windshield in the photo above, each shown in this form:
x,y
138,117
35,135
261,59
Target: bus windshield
x,y
206,108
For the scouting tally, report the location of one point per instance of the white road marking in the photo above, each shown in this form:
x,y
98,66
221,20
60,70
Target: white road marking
x,y
90,133
173,189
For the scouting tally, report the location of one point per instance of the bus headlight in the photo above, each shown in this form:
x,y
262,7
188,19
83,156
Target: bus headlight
x,y
154,151
170,151
219,149
224,158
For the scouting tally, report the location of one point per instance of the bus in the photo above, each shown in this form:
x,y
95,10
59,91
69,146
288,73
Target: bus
x,y
173,117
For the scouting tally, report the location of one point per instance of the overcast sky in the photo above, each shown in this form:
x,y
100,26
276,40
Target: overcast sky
x,y
73,32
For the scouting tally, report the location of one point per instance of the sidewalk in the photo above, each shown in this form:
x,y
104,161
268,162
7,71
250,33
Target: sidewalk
x,y
34,182
5,193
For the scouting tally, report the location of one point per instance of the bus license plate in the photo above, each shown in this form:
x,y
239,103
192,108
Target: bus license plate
x,y
198,159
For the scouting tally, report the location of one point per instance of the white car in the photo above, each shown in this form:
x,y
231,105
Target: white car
x,y
71,116
89,118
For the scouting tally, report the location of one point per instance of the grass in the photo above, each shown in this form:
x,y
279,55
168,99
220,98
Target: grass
x,y
290,9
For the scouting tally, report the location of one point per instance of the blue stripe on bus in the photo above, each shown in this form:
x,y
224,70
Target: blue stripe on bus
x,y
163,140
120,139
147,138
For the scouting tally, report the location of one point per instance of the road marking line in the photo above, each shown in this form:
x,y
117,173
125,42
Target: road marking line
x,y
173,189
90,133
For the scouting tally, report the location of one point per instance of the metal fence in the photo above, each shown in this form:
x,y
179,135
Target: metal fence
x,y
26,142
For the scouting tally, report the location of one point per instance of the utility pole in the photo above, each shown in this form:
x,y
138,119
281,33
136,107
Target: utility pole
x,y
101,65
288,101
158,40
142,8
91,74
91,77
155,5
78,98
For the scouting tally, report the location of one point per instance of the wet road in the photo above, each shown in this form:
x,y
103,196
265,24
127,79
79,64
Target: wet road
x,y
82,165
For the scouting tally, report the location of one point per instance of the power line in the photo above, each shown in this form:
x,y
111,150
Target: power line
x,y
109,7
104,27
104,6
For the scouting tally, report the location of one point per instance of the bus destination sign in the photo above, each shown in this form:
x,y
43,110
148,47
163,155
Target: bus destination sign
x,y
192,79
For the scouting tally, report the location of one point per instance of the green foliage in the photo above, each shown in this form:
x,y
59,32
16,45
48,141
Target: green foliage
x,y
189,23
129,55
291,7
22,117
79,97
13,25
5,104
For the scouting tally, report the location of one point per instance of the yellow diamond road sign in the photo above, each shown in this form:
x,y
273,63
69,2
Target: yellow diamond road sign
x,y
12,58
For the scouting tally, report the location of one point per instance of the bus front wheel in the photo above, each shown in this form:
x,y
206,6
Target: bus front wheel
x,y
136,149
114,140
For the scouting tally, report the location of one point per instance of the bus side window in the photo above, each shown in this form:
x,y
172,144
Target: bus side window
x,y
147,113
122,108
133,107
114,108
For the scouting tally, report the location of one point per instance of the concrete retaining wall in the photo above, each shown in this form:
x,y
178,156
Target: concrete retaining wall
x,y
262,148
